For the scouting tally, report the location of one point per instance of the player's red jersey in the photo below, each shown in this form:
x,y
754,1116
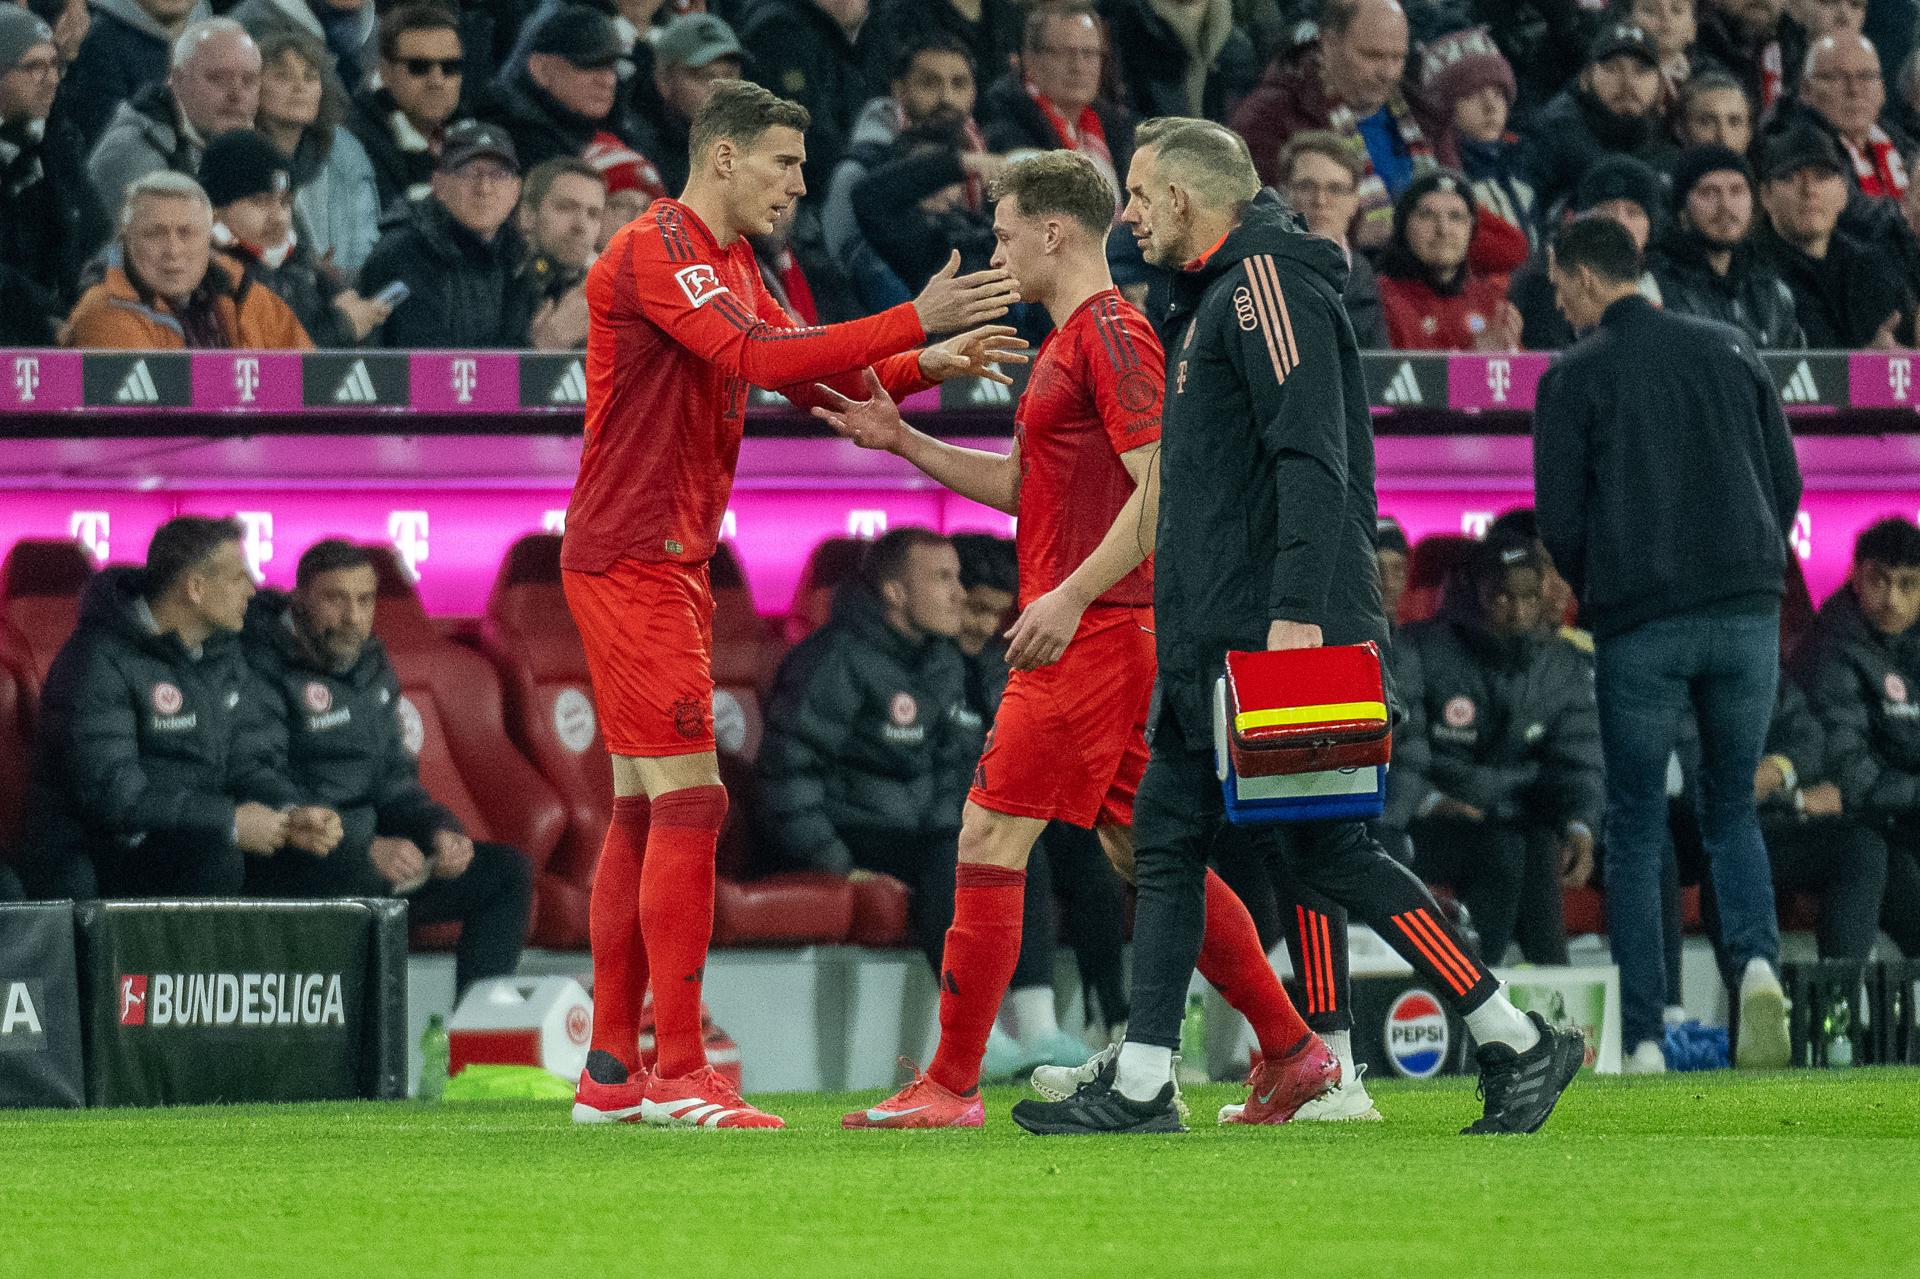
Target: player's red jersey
x,y
1095,393
678,328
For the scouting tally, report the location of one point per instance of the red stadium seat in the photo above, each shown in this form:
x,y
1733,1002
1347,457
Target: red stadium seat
x,y
452,712
14,758
40,586
832,562
531,638
1433,560
880,905
746,646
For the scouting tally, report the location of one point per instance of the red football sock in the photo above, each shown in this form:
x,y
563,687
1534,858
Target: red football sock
x,y
1231,959
613,930
676,919
983,947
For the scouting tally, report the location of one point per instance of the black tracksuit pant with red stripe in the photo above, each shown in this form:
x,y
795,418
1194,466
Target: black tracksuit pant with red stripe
x,y
1178,820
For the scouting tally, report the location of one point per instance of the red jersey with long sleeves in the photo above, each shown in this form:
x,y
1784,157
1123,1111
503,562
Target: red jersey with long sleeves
x,y
1095,393
678,329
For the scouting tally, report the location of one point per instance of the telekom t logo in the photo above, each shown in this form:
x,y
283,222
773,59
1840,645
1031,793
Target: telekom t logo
x,y
92,529
1499,379
553,521
1900,376
1475,524
866,524
256,542
246,378
466,375
26,376
407,530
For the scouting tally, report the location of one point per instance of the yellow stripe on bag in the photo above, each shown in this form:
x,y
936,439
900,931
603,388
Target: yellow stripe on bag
x,y
1333,712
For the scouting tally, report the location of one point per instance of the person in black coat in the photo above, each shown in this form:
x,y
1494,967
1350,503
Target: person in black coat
x,y
1862,672
51,218
333,708
1707,266
1265,540
1847,294
1615,108
567,94
927,199
152,764
1202,70
1620,187
1510,793
1666,482
1053,98
128,47
816,53
457,252
401,122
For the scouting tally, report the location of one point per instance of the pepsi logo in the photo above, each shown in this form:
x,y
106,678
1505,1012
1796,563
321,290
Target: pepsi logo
x,y
1417,1035
1459,712
904,709
167,699
317,696
1896,688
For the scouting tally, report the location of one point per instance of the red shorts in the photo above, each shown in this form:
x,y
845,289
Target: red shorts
x,y
648,631
1069,741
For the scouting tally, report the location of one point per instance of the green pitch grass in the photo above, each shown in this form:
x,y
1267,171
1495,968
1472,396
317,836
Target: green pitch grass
x,y
1798,1174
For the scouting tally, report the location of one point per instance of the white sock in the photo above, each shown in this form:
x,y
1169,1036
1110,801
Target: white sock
x,y
1758,972
1033,1016
1498,1022
1341,1042
1144,1070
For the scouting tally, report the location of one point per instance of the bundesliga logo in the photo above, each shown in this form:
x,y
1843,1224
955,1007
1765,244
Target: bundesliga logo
x,y
232,999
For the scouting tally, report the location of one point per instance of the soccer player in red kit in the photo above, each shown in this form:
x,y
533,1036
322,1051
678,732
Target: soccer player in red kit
x,y
679,328
1069,740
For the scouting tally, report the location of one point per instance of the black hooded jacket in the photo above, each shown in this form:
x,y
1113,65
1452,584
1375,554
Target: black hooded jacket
x,y
137,737
1511,724
1267,499
464,293
1576,130
1750,297
1865,688
867,730
337,735
542,129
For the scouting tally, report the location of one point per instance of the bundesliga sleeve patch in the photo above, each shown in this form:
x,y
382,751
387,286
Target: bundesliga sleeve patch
x,y
701,284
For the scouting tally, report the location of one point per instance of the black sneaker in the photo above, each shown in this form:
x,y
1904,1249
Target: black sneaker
x,y
1097,1106
1521,1088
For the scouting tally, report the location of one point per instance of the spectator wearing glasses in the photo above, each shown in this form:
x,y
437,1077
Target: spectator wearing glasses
x,y
51,220
1842,93
301,110
1053,99
402,119
457,251
129,47
170,292
214,88
1320,176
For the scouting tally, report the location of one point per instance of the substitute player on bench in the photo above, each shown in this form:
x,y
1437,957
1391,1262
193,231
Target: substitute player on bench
x,y
1068,740
679,327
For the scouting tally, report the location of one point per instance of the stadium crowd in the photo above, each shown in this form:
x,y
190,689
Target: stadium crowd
x,y
187,174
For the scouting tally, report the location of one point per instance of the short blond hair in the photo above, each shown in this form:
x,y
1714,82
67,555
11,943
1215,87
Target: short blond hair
x,y
1062,182
1209,161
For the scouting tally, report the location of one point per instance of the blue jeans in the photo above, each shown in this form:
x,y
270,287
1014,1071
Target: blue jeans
x,y
1725,670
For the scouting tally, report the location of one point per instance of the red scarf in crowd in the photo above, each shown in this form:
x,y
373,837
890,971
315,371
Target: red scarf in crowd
x,y
1085,135
1878,166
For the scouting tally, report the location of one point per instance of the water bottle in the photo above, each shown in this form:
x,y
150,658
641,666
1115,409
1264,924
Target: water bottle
x,y
1193,1042
433,1059
1838,1028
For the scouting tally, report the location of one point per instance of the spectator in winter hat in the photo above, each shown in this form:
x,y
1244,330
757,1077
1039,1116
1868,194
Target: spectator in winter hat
x,y
1614,108
690,55
50,219
1471,86
1434,299
1706,264
632,184
1618,187
248,181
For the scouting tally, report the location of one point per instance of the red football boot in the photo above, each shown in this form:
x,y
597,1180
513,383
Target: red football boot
x,y
921,1104
706,1099
1282,1086
598,1103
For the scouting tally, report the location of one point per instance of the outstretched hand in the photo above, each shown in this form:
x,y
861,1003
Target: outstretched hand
x,y
872,423
952,301
976,353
